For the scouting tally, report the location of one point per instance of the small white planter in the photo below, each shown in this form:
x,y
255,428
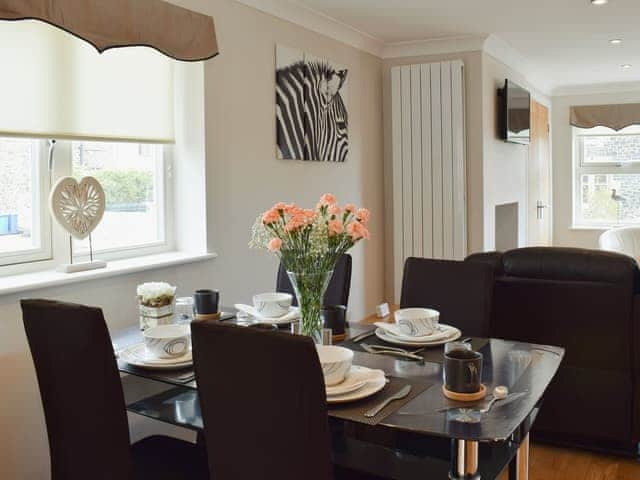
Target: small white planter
x,y
154,316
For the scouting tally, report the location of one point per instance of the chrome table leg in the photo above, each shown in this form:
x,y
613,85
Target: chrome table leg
x,y
519,466
464,460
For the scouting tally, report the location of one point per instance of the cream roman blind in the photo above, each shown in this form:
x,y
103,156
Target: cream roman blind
x,y
53,84
616,117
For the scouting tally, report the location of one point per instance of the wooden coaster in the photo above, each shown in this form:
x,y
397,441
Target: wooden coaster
x,y
209,316
465,397
339,338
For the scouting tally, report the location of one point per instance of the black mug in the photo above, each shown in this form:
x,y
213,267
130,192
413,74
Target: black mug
x,y
206,302
463,371
335,318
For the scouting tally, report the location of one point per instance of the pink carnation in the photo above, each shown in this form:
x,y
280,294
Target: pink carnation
x,y
274,244
335,227
280,206
327,199
335,210
289,208
350,207
357,231
270,216
363,215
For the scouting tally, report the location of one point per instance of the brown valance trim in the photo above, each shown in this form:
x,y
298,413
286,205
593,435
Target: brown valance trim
x,y
616,117
172,30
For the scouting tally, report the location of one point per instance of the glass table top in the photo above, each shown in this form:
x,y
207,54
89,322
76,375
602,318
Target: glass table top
x,y
522,367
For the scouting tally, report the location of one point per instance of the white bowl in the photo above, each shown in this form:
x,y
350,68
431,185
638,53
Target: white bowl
x,y
272,305
335,361
167,341
417,322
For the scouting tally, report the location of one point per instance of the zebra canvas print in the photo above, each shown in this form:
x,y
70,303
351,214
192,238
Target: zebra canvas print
x,y
311,107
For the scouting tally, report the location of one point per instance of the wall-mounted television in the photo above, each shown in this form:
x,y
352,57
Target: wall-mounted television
x,y
515,113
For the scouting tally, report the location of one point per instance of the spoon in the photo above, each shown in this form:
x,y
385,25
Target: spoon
x,y
499,393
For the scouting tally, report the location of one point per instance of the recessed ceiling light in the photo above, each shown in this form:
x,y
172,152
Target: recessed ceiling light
x,y
626,66
599,2
615,41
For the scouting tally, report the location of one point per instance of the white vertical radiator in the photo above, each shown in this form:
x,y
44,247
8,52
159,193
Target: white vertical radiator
x,y
429,186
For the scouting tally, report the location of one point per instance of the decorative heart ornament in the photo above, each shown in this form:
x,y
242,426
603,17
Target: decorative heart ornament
x,y
78,207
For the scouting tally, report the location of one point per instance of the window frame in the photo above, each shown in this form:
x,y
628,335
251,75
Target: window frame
x,y
42,219
55,240
580,168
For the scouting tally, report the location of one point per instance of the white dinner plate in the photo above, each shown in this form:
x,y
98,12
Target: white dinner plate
x,y
391,329
385,336
137,356
356,378
371,387
293,314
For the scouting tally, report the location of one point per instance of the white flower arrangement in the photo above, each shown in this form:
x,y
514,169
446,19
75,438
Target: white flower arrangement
x,y
156,294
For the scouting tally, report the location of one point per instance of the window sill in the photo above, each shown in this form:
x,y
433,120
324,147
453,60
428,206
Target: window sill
x,y
589,227
51,278
600,228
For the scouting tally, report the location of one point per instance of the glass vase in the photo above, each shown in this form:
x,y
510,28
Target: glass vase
x,y
310,289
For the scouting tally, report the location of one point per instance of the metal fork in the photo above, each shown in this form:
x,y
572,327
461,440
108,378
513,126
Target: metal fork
x,y
396,349
395,353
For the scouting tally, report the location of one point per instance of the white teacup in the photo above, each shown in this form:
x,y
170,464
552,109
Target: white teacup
x,y
417,322
272,305
335,361
167,341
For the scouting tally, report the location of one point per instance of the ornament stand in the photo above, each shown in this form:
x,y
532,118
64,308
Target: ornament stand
x,y
82,266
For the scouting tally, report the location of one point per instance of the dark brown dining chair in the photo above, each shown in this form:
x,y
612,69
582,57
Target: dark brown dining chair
x,y
84,405
339,285
263,404
461,291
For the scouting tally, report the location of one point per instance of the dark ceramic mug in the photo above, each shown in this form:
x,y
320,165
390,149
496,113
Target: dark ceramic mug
x,y
335,318
463,371
206,302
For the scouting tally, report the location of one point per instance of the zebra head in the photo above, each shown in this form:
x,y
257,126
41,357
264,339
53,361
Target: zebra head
x,y
325,82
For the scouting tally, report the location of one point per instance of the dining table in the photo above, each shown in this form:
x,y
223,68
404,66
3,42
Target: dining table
x,y
427,436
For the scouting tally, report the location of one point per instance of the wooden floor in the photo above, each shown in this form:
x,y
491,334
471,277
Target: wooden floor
x,y
553,463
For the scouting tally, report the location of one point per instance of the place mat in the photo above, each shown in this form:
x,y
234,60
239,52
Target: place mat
x,y
354,411
179,376
430,354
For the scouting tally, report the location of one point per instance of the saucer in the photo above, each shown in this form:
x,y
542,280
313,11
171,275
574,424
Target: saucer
x,y
356,378
453,334
137,356
293,314
375,382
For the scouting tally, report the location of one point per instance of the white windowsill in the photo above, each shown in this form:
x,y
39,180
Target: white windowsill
x,y
600,228
51,278
589,227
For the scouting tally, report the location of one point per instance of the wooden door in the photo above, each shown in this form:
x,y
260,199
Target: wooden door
x,y
539,213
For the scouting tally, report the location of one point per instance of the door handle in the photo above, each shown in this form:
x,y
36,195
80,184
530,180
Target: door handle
x,y
540,206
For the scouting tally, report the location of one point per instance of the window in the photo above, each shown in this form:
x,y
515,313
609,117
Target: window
x,y
607,176
132,177
23,234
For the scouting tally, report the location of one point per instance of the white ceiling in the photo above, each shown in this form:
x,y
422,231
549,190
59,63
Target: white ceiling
x,y
563,41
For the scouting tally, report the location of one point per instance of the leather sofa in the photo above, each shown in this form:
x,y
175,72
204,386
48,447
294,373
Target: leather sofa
x,y
584,301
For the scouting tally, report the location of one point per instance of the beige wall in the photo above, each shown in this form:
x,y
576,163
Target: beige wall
x,y
505,164
243,178
473,121
563,233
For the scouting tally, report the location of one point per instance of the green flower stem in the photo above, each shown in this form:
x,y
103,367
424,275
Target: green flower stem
x,y
310,289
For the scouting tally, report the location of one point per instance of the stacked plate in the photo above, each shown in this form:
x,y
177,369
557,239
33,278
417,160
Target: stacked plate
x,y
359,383
290,316
389,332
138,356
